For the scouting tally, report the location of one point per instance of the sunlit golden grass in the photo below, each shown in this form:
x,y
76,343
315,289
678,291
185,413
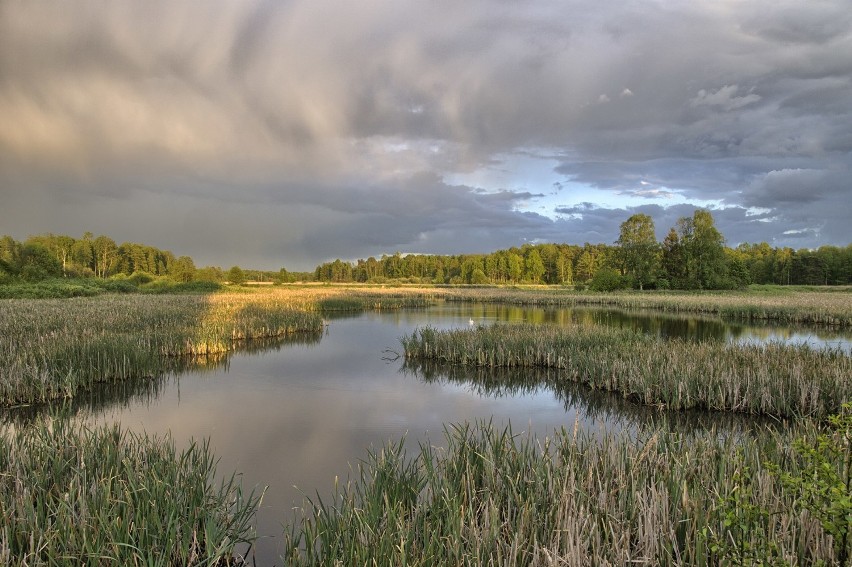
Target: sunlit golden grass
x,y
771,379
55,348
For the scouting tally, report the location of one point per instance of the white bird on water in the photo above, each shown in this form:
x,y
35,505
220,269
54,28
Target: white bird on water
x,y
470,322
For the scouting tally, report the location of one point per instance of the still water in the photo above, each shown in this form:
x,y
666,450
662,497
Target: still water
x,y
297,415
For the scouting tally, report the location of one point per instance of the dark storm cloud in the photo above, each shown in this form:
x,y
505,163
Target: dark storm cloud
x,y
290,133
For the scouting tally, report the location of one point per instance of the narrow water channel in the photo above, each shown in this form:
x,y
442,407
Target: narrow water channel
x,y
296,416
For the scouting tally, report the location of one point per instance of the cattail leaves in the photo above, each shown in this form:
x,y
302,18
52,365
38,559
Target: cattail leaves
x,y
772,379
76,496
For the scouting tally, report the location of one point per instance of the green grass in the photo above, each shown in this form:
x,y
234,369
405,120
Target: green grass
x,y
364,300
74,496
493,498
772,379
89,287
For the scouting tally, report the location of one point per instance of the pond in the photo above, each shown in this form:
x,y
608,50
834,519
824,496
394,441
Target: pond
x,y
299,414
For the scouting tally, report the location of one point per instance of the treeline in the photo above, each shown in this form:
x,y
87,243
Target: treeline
x,y
50,256
692,256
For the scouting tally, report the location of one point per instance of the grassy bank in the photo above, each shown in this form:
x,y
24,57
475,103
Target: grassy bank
x,y
829,307
73,496
772,379
491,498
89,287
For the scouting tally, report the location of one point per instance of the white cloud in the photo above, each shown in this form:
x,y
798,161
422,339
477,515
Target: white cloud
x,y
724,98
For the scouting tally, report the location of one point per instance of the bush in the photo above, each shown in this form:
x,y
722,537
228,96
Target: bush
x,y
117,285
607,279
51,289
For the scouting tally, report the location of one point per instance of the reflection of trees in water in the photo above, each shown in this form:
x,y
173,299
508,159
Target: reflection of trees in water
x,y
122,394
595,405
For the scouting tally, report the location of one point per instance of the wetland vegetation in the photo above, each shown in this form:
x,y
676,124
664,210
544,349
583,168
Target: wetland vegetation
x,y
769,379
489,497
76,496
656,495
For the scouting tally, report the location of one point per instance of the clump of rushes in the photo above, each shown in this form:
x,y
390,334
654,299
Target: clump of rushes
x,y
772,379
53,349
361,301
494,498
74,496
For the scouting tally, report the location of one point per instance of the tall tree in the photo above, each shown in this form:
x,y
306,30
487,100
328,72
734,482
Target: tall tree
x,y
703,249
38,263
534,267
106,255
638,249
183,269
672,261
236,275
707,247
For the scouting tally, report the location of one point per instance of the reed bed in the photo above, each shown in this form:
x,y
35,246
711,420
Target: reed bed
x,y
75,496
798,306
772,379
494,498
52,349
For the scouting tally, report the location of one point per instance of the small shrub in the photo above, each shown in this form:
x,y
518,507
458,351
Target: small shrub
x,y
607,279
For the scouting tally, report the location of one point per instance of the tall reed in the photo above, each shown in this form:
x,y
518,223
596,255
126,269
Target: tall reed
x,y
53,349
493,498
75,496
772,379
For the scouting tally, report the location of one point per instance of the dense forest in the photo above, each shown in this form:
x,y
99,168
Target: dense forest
x,y
693,255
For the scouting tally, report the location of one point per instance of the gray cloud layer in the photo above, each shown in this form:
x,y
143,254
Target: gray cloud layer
x,y
288,133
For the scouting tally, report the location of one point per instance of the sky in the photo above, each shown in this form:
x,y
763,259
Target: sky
x,y
285,133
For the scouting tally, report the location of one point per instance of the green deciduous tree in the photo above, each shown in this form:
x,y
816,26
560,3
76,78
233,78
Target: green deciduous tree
x,y
638,249
38,263
236,275
672,261
106,255
183,269
533,266
700,249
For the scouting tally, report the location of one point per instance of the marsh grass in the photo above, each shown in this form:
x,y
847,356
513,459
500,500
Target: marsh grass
x,y
490,497
362,301
53,349
772,379
827,307
74,496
